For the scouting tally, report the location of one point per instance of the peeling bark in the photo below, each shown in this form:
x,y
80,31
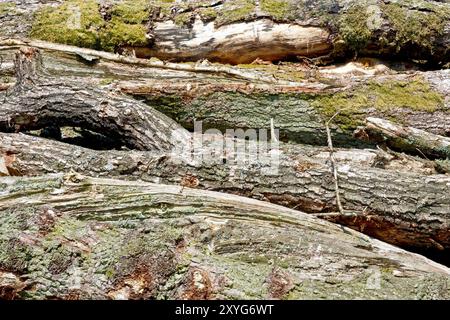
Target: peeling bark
x,y
38,101
110,239
405,213
236,43
332,28
406,138
228,97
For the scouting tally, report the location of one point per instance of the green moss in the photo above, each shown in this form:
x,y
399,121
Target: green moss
x,y
207,14
183,19
416,95
353,27
6,7
443,166
126,27
63,25
119,33
383,96
417,27
106,81
163,6
131,11
233,11
69,228
278,9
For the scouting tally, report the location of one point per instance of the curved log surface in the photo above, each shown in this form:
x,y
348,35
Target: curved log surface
x,y
222,97
391,205
38,101
193,29
84,81
76,237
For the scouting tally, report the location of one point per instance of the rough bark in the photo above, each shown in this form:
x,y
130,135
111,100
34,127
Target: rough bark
x,y
392,205
70,60
228,97
38,100
299,113
193,29
72,237
406,138
78,237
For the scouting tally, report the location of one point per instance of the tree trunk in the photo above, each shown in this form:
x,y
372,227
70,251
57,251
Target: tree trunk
x,y
38,101
225,97
105,192
74,237
391,205
240,31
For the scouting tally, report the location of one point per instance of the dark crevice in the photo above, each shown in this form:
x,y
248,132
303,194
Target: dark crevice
x,y
391,233
79,137
439,256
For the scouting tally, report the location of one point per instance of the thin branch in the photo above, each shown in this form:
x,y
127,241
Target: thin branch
x,y
333,164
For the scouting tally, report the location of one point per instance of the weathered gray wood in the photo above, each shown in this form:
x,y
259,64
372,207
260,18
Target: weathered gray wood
x,y
391,204
406,138
235,97
73,237
38,100
243,30
77,237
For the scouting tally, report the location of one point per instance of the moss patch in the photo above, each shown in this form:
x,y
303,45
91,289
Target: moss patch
x,y
79,23
234,11
183,19
74,22
416,27
382,96
7,7
131,11
161,6
120,33
278,9
207,14
353,27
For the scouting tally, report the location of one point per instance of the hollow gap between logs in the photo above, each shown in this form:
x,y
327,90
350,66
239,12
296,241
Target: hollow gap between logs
x,y
78,136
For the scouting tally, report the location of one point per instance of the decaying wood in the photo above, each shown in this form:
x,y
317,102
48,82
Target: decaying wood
x,y
39,101
236,43
389,204
221,96
239,31
197,216
73,237
239,73
407,138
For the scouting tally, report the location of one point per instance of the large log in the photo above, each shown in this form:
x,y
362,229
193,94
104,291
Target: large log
x,y
240,97
239,30
38,100
406,138
130,239
387,203
73,237
419,100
